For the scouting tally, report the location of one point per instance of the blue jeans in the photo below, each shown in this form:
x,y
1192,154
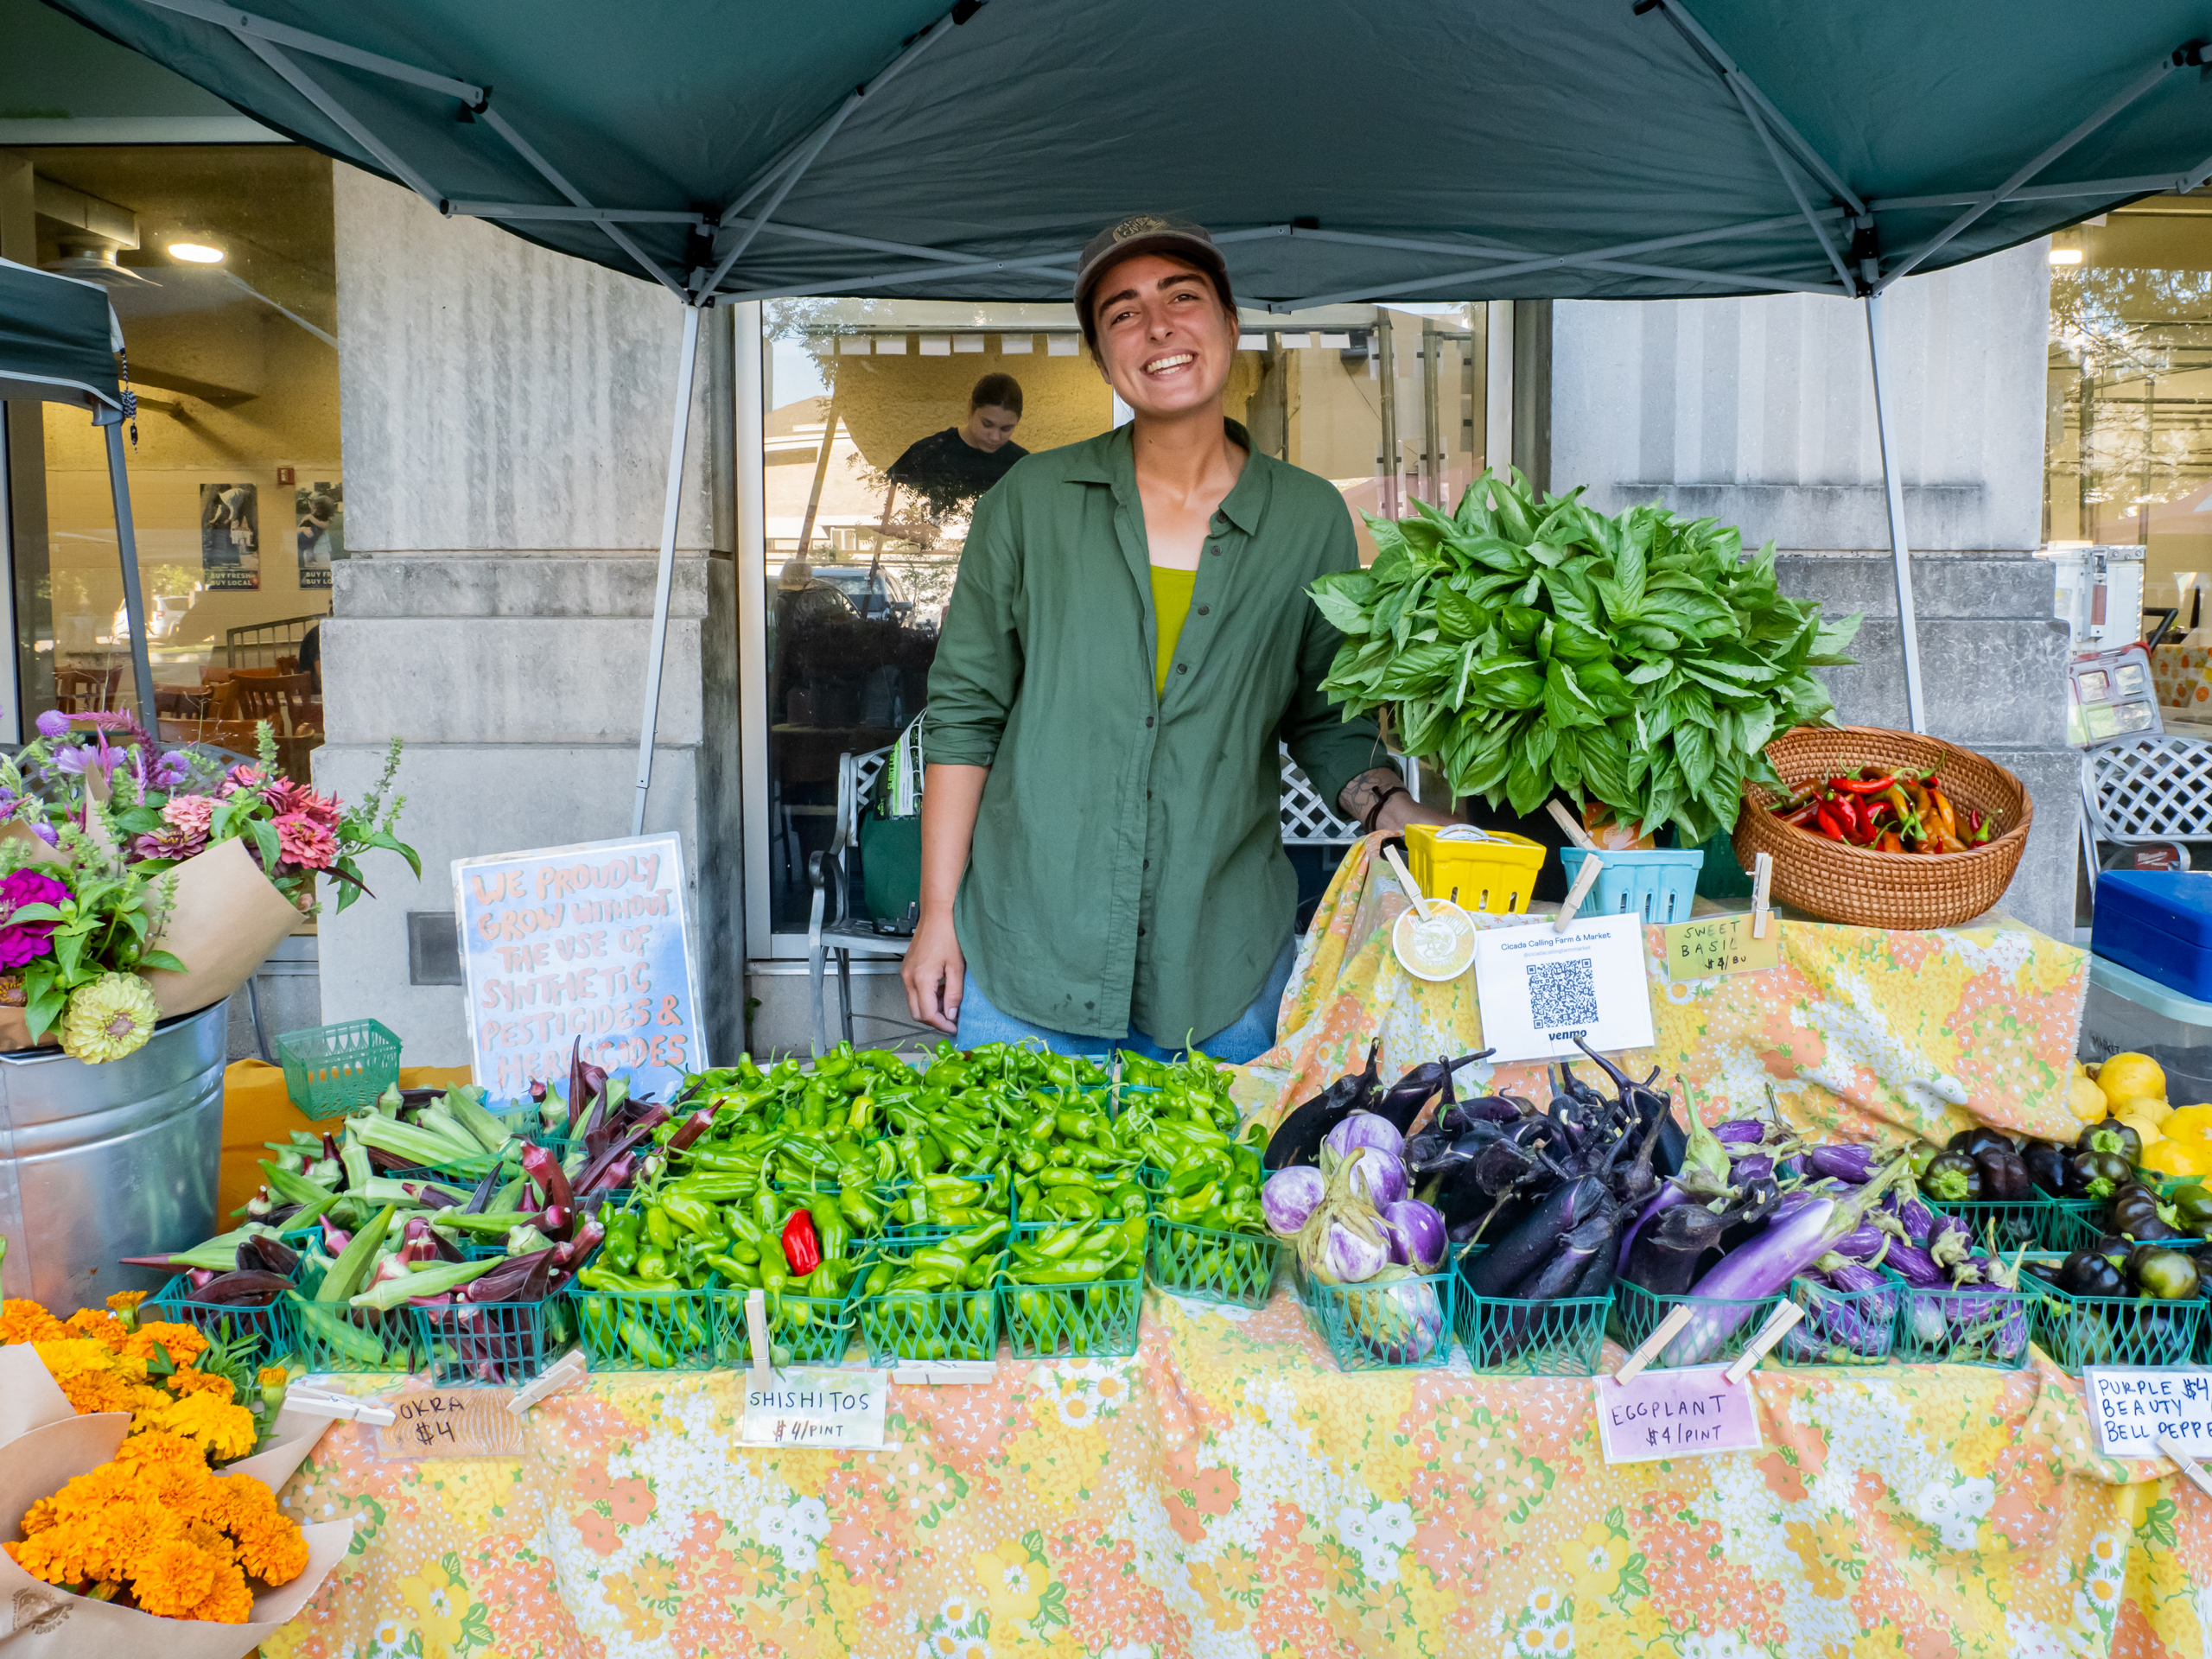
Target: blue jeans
x,y
1250,1035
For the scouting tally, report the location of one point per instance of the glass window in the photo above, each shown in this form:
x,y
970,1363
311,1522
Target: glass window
x,y
221,265
884,420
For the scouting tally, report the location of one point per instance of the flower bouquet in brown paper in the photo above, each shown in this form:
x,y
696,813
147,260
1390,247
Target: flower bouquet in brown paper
x,y
137,883
115,1531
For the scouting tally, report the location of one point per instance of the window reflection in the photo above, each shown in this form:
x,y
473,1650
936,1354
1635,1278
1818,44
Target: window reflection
x,y
879,430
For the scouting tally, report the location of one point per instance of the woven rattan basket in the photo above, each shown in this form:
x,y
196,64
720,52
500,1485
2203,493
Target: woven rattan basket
x,y
1852,885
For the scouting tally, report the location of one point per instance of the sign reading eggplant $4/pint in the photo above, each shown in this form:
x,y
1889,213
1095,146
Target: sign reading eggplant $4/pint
x,y
588,942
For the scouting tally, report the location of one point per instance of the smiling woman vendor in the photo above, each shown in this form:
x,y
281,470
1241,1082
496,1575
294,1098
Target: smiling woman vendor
x,y
1130,635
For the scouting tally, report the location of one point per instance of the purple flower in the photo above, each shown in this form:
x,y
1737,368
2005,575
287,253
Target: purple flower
x,y
47,833
171,770
22,942
52,723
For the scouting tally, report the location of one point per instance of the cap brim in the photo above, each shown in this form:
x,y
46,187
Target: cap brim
x,y
1199,256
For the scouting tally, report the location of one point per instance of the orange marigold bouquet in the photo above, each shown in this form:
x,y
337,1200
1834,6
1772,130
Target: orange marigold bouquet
x,y
155,1529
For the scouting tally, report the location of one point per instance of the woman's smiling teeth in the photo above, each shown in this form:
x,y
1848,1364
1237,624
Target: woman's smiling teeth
x,y
1169,365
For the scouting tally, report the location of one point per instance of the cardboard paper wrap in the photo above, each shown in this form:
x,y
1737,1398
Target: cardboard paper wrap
x,y
227,917
38,1621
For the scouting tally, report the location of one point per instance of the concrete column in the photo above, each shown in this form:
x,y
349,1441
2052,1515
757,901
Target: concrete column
x,y
1759,412
506,417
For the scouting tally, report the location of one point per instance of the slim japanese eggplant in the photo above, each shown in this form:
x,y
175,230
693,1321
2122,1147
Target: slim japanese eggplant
x,y
1298,1138
1664,1255
1404,1100
1521,1252
1590,1238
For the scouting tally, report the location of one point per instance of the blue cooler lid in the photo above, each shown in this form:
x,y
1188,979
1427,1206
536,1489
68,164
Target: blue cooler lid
x,y
2177,902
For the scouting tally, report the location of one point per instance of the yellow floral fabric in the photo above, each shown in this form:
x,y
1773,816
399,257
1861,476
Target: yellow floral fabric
x,y
1229,1491
1863,1033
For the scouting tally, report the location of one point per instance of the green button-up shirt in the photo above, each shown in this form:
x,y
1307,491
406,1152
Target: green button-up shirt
x,y
1128,866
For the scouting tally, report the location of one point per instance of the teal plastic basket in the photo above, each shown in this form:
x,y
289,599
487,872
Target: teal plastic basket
x,y
1370,1327
2034,1222
1658,886
1984,1325
1506,1337
330,1070
2078,1331
1719,1329
270,1328
495,1344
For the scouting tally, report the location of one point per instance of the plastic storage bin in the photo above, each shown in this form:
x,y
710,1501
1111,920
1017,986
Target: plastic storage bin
x,y
2127,1012
1658,886
332,1068
2159,923
1479,870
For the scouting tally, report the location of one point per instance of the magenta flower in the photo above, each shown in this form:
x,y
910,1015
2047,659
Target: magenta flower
x,y
305,842
22,942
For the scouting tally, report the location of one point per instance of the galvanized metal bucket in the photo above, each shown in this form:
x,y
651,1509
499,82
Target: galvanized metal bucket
x,y
99,1162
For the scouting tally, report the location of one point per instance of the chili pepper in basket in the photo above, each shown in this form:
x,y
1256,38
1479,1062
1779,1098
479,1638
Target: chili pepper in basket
x,y
1864,785
801,1249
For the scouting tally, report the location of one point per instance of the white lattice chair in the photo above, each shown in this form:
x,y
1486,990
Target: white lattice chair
x,y
2145,788
1308,820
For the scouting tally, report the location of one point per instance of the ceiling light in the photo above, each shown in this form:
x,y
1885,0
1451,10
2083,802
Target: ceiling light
x,y
2058,256
196,253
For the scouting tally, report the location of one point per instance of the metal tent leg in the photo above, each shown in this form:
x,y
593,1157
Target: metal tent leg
x,y
687,362
1893,491
134,602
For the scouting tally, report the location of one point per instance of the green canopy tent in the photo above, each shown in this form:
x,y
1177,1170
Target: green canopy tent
x,y
58,343
1473,150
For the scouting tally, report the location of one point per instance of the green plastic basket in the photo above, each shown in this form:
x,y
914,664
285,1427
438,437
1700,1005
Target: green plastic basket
x,y
922,1325
801,1330
1209,1265
1085,1320
330,1070
2081,1231
1367,1326
2078,1331
659,1330
2029,1223
495,1344
270,1327
1983,1326
336,1337
1840,1327
1637,1313
2073,1219
1504,1336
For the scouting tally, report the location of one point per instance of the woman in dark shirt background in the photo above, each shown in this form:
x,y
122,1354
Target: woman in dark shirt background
x,y
949,469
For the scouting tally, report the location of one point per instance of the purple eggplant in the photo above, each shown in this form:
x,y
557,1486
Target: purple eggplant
x,y
1915,1266
1850,1314
1297,1139
1854,1164
1403,1101
1739,1134
1949,1242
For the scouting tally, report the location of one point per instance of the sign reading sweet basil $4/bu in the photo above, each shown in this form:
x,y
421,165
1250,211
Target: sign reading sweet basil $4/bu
x,y
585,942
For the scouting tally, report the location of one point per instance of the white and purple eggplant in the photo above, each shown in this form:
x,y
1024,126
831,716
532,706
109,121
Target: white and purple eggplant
x,y
1416,1235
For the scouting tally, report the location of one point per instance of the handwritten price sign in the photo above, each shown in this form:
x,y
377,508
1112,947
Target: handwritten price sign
x,y
803,1408
2130,1409
450,1423
1713,945
1680,1414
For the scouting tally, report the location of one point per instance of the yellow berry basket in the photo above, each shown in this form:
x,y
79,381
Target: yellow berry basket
x,y
1479,870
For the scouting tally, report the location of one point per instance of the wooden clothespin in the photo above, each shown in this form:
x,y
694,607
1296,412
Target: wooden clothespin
x,y
756,1326
1777,1327
1584,879
1762,881
316,1403
1647,1350
1420,899
2186,1463
567,1372
1568,822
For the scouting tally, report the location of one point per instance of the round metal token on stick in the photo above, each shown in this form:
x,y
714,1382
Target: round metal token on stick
x,y
1434,940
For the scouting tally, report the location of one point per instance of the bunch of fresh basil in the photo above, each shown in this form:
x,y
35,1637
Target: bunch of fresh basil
x,y
1529,647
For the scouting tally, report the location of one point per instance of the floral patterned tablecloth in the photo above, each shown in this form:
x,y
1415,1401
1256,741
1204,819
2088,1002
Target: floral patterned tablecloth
x,y
1864,1034
1227,1491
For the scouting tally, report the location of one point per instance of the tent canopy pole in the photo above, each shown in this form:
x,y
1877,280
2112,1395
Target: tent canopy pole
x,y
1893,494
686,363
134,602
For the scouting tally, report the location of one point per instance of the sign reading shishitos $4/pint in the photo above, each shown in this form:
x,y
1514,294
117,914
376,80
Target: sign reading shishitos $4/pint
x,y
589,941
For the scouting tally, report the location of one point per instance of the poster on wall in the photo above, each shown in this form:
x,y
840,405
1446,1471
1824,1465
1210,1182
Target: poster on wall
x,y
589,941
229,535
318,511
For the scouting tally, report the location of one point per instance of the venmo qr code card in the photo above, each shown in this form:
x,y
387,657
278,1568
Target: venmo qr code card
x,y
1540,990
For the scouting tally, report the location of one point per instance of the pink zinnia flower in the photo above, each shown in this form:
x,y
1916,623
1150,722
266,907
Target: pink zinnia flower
x,y
242,778
305,842
170,841
285,798
190,813
22,942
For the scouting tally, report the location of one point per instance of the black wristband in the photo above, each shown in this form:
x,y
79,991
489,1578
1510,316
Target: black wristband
x,y
1375,807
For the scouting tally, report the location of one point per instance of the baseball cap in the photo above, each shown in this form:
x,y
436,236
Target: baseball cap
x,y
1166,233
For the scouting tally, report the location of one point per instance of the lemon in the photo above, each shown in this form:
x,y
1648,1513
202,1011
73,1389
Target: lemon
x,y
2088,1101
2125,1076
